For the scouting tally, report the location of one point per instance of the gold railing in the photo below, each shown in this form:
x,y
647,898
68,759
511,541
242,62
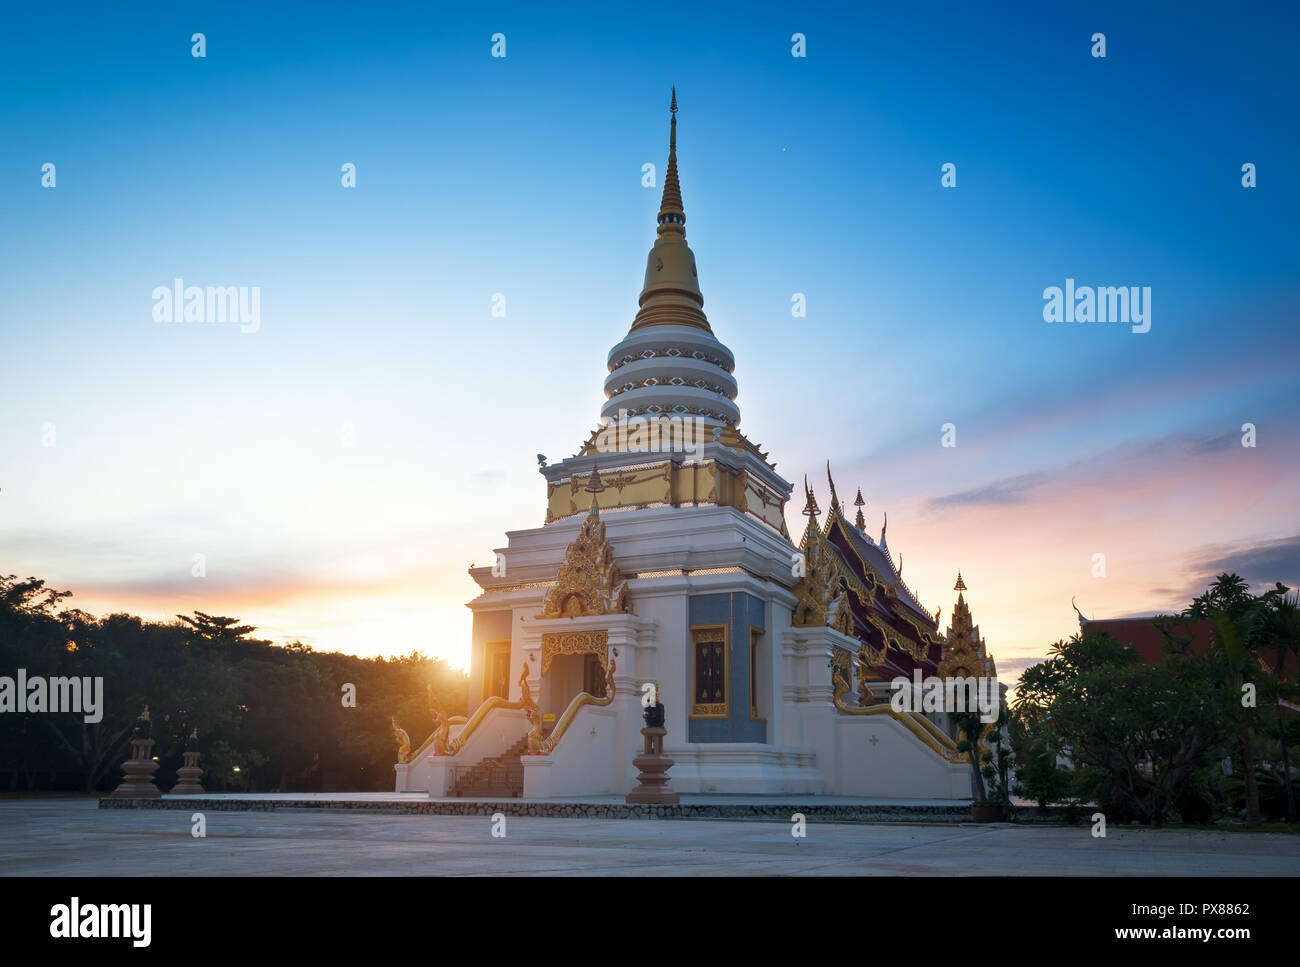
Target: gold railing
x,y
537,744
452,746
543,746
934,737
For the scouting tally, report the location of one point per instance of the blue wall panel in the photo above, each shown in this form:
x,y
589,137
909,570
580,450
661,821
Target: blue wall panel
x,y
739,611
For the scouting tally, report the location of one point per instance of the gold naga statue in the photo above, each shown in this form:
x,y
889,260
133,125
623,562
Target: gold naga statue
x,y
403,742
441,725
531,713
534,730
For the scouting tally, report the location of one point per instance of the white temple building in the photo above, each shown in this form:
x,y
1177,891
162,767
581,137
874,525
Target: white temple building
x,y
664,568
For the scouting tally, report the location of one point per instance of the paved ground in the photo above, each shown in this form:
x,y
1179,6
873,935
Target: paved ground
x,y
74,838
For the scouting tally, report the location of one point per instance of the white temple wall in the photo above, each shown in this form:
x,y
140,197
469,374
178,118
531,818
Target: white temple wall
x,y
584,762
744,768
666,605
772,670
896,764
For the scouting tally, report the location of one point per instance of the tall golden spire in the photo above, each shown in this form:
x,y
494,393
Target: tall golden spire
x,y
860,523
671,295
964,653
672,216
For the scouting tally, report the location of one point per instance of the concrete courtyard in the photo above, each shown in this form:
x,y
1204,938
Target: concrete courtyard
x,y
71,837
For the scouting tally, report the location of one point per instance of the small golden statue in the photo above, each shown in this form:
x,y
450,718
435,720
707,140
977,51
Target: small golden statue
x,y
403,742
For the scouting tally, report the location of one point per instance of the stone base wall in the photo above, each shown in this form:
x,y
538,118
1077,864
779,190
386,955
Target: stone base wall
x,y
779,812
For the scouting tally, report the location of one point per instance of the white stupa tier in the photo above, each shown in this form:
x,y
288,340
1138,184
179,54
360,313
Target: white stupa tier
x,y
671,369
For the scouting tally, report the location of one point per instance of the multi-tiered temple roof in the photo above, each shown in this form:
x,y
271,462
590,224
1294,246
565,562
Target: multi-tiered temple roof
x,y
853,584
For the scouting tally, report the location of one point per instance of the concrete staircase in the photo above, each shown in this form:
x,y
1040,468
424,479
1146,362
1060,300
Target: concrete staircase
x,y
496,776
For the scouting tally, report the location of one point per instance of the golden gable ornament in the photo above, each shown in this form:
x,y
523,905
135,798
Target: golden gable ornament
x,y
589,582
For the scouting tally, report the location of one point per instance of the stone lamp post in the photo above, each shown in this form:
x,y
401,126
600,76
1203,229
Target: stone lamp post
x,y
140,767
652,782
188,774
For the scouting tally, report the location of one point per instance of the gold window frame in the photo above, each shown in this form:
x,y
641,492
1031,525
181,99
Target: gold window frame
x,y
711,710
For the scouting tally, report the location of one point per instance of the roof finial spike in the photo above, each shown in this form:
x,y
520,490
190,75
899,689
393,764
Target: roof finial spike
x,y
861,522
835,500
884,527
960,585
810,509
672,216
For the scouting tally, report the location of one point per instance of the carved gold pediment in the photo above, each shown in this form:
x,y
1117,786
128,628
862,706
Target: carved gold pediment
x,y
822,584
575,643
960,662
589,582
964,655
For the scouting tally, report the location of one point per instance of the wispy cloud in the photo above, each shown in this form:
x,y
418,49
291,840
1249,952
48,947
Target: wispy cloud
x,y
1261,564
1213,444
1009,490
1010,668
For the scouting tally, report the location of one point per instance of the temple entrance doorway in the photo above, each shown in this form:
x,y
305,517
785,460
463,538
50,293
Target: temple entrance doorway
x,y
566,676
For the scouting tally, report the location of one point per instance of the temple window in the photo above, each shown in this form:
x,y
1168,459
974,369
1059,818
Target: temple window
x,y
710,671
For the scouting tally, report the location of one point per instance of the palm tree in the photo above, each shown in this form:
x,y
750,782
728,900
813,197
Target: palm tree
x,y
971,727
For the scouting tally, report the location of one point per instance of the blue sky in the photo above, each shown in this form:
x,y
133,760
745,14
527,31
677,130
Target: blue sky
x,y
479,175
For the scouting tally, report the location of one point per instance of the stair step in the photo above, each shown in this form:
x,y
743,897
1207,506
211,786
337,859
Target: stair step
x,y
498,775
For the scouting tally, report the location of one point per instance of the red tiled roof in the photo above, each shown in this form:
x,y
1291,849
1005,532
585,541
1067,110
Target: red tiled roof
x,y
1143,635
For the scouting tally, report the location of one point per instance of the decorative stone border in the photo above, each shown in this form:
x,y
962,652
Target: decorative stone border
x,y
574,810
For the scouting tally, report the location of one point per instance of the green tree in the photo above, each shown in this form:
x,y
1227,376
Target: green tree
x,y
1038,777
1282,635
1135,732
1242,623
274,713
971,727
998,759
208,628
